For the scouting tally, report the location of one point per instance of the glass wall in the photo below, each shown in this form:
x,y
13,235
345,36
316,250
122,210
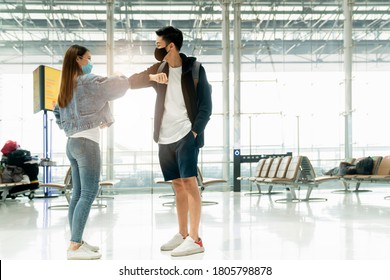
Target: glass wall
x,y
292,80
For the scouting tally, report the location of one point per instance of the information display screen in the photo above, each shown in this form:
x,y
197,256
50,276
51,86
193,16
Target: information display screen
x,y
46,88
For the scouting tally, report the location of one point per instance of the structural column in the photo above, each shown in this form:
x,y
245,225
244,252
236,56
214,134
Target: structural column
x,y
348,45
226,86
237,72
110,70
237,75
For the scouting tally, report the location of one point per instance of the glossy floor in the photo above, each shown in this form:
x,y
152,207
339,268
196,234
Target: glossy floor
x,y
348,226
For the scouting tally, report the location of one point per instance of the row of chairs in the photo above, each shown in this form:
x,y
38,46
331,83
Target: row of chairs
x,y
296,172
380,174
290,172
15,188
65,188
203,183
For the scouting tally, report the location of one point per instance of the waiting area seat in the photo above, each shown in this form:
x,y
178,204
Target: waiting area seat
x,y
306,177
380,175
203,183
65,188
280,173
277,169
169,183
259,167
380,171
263,173
11,189
267,171
106,184
273,169
298,174
290,180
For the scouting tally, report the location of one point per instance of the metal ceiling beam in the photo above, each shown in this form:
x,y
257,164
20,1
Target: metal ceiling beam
x,y
268,27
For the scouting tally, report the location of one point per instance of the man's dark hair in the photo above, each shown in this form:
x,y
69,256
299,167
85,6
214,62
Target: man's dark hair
x,y
171,34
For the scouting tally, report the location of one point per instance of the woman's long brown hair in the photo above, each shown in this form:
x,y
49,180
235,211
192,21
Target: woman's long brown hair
x,y
70,71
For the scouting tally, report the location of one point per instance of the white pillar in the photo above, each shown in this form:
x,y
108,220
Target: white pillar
x,y
237,73
348,45
110,70
226,86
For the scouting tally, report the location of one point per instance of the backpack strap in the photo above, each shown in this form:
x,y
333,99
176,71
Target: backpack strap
x,y
161,67
195,73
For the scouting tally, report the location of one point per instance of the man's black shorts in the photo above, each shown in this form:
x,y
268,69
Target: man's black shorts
x,y
179,159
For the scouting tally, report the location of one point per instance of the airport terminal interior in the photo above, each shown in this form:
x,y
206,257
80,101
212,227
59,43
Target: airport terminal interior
x,y
299,89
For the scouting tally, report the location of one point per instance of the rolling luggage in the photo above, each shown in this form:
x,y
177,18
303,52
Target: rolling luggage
x,y
19,175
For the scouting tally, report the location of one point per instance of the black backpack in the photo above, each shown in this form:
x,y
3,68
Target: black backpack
x,y
18,157
365,166
346,168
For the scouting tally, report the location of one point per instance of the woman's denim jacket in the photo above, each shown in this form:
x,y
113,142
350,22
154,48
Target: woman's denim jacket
x,y
89,106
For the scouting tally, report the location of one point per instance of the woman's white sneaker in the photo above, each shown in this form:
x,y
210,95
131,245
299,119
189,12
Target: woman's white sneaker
x,y
90,247
175,241
83,253
188,247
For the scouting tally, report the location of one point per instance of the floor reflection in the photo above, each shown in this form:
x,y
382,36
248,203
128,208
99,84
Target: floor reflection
x,y
133,226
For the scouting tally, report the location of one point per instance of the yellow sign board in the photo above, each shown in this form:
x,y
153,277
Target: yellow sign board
x,y
46,88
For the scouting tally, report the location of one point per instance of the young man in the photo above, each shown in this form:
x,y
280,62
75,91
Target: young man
x,y
182,110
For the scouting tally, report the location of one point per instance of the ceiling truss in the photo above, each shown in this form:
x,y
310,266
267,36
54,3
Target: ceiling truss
x,y
276,31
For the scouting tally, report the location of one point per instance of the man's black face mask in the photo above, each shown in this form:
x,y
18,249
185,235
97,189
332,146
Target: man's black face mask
x,y
159,54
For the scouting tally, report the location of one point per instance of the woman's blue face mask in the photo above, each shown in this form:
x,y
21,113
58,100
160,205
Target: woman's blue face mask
x,y
87,68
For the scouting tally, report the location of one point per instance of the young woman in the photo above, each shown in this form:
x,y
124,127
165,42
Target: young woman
x,y
81,110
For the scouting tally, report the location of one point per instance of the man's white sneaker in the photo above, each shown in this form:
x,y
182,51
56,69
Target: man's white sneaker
x,y
188,247
83,253
175,241
90,247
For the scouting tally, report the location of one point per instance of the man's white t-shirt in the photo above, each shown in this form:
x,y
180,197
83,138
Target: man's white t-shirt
x,y
175,122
